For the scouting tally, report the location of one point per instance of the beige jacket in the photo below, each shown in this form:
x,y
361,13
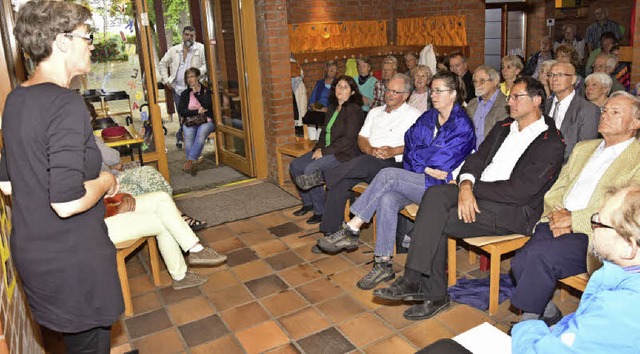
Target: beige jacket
x,y
168,66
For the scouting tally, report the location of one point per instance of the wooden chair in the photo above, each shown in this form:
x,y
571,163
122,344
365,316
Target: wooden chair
x,y
297,149
496,246
124,249
578,282
212,136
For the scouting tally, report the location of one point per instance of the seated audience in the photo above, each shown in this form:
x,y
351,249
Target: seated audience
x,y
566,54
607,41
442,63
606,63
411,62
434,146
511,68
419,98
381,140
597,88
576,117
490,106
366,82
458,65
389,69
319,99
622,72
500,192
155,214
569,30
338,143
599,27
532,67
606,320
558,247
542,75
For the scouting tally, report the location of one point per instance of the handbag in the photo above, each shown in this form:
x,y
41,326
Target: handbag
x,y
195,120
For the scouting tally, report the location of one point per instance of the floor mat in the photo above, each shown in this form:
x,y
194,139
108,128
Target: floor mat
x,y
238,203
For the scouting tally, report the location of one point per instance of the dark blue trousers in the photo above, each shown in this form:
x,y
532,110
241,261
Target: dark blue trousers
x,y
542,261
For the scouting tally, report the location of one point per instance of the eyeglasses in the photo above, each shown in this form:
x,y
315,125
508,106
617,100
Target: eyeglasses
x,y
394,92
86,36
439,92
481,81
517,97
596,224
558,75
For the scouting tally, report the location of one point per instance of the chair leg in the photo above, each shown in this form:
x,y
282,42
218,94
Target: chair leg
x,y
564,294
451,260
472,256
347,208
124,284
494,283
215,144
373,225
154,260
280,169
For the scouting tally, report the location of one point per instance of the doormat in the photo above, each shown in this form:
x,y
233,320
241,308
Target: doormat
x,y
238,203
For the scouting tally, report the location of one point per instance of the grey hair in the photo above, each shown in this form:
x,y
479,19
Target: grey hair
x,y
602,78
406,87
426,69
491,71
391,59
547,64
635,106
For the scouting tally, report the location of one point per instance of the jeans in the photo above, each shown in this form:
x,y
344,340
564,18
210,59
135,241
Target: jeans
x,y
194,138
391,190
305,165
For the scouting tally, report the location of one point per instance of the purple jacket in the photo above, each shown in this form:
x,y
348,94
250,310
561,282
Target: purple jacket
x,y
451,145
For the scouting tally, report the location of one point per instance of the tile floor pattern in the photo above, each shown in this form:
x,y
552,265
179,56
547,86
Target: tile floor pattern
x,y
275,296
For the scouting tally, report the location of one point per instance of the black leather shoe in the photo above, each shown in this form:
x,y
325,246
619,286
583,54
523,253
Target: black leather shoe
x,y
401,289
305,209
315,219
551,321
426,310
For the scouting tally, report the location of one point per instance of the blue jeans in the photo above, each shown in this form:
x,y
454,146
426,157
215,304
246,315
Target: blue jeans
x,y
391,190
194,138
305,165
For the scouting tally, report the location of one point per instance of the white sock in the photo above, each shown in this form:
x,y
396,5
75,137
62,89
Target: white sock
x,y
180,277
353,228
197,248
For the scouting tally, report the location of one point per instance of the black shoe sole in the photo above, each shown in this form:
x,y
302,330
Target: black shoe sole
x,y
437,311
404,297
313,222
302,212
338,249
391,276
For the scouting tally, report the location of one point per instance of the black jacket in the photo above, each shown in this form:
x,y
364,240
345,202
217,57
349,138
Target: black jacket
x,y
344,132
518,201
204,97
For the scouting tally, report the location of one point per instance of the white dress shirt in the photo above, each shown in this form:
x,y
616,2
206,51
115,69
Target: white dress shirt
x,y
509,152
387,129
562,109
580,194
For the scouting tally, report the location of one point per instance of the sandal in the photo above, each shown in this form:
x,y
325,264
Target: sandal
x,y
194,224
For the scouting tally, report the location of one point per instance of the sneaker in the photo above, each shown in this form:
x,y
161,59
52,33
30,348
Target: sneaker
x,y
309,181
207,257
343,239
382,271
190,280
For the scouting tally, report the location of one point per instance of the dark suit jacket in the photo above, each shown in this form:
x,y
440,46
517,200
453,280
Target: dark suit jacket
x,y
518,201
497,112
580,122
467,78
344,132
204,97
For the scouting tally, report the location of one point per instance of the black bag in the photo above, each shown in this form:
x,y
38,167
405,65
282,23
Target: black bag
x,y
314,118
195,120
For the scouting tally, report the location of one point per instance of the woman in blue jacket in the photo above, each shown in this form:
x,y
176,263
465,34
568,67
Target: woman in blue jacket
x,y
434,147
319,99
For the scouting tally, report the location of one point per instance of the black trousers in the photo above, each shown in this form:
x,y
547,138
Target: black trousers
x,y
437,218
340,180
93,341
544,260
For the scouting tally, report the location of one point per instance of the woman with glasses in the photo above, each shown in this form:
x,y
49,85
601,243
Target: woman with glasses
x,y
51,165
435,146
511,68
195,102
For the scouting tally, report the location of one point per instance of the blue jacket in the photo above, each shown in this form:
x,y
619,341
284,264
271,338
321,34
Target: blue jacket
x,y
454,141
320,94
606,321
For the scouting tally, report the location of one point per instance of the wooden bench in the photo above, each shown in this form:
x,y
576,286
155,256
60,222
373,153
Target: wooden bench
x,y
297,149
578,282
124,249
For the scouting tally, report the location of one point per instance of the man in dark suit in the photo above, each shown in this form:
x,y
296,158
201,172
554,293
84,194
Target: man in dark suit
x,y
576,117
458,65
490,106
501,190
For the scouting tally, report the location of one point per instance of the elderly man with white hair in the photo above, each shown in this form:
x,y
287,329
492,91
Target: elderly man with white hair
x,y
597,88
606,63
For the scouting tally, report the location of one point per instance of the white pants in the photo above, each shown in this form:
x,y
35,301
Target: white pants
x,y
156,215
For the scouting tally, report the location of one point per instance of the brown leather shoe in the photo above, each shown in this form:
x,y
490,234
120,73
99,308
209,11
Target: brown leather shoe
x,y
190,167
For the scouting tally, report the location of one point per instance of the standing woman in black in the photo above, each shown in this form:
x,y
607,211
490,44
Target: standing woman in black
x,y
51,165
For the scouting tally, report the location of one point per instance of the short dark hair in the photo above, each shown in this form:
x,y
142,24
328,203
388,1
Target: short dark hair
x,y
534,88
609,35
452,81
188,28
356,98
39,22
190,71
458,54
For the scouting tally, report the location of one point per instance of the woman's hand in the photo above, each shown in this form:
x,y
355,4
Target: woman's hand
x,y
317,154
201,110
435,173
128,204
110,182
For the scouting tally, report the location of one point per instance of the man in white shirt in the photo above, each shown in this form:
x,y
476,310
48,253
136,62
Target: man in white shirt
x,y
179,58
558,247
381,139
576,117
500,192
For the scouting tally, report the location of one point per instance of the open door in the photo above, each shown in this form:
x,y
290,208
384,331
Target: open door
x,y
224,43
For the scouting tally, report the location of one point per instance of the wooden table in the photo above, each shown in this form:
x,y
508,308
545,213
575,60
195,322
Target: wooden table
x,y
132,139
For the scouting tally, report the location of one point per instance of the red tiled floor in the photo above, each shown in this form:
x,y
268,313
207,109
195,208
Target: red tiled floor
x,y
262,337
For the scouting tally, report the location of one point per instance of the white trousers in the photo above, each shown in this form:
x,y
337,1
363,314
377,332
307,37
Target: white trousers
x,y
156,214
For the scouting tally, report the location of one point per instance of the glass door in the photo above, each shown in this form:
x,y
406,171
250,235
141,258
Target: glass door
x,y
222,23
